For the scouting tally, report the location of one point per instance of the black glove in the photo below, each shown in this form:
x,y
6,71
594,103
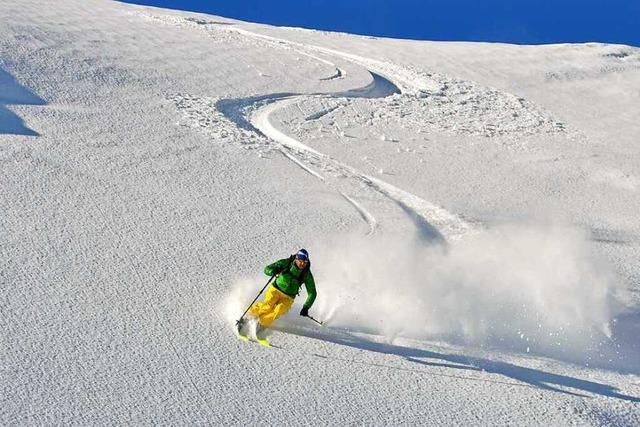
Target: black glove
x,y
304,312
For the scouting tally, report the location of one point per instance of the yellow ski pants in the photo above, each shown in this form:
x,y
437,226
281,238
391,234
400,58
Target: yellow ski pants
x,y
274,305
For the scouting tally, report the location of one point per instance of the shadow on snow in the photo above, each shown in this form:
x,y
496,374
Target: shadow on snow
x,y
526,377
12,93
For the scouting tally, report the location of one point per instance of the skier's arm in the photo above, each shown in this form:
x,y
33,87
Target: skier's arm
x,y
310,285
276,267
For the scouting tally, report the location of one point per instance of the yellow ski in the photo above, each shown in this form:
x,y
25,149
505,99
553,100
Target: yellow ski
x,y
246,338
263,342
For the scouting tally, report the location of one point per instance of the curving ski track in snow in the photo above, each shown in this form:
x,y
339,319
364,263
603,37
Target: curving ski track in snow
x,y
479,110
252,114
406,80
433,222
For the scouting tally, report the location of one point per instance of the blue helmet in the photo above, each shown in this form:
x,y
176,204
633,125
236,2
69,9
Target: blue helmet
x,y
303,255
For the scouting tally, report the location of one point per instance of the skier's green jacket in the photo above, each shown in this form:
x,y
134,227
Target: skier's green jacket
x,y
289,279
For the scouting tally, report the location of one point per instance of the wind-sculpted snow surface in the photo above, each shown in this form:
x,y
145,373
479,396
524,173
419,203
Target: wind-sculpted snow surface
x,y
178,154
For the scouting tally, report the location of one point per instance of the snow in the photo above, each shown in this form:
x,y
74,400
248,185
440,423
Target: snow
x,y
470,210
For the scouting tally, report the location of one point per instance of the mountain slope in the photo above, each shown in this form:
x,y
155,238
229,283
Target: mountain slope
x,y
462,203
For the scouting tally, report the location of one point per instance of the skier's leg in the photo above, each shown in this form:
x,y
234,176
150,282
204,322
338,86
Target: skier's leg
x,y
281,308
270,300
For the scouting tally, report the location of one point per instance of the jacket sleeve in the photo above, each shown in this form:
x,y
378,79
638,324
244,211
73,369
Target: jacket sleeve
x,y
310,285
276,267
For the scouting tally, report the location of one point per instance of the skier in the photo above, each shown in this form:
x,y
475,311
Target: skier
x,y
290,274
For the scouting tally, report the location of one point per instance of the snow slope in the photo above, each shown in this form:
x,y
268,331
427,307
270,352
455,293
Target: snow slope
x,y
470,210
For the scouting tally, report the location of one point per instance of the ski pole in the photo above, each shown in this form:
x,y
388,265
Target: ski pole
x,y
317,321
256,298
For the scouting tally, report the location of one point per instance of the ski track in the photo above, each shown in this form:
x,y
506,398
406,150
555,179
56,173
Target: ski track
x,y
288,144
298,162
436,223
407,81
432,221
365,214
478,110
475,107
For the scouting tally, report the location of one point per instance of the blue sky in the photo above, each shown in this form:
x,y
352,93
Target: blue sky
x,y
511,21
